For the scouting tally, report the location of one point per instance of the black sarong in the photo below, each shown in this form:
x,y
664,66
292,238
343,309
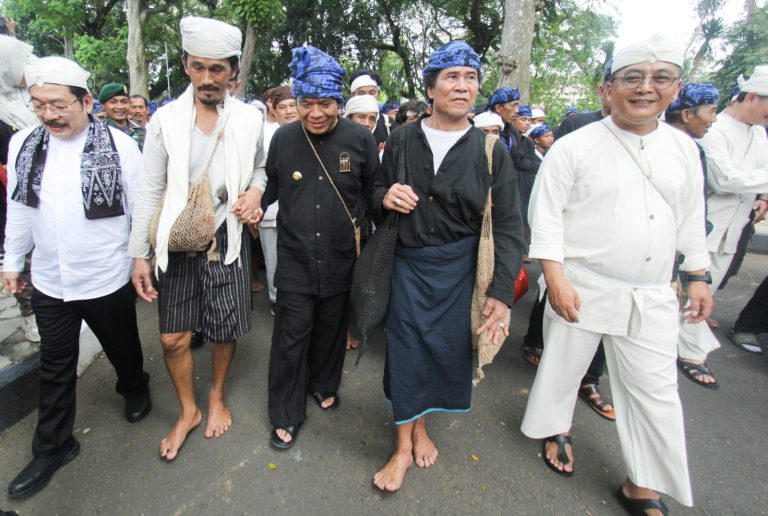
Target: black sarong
x,y
429,348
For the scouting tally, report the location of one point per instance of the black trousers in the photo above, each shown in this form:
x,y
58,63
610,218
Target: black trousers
x,y
112,319
307,355
754,317
535,339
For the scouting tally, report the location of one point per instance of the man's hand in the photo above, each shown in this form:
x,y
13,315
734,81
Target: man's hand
x,y
496,315
564,300
700,306
760,207
142,280
248,206
400,198
13,282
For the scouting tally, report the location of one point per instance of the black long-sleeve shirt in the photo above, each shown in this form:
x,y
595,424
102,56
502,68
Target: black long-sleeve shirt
x,y
577,121
451,202
315,238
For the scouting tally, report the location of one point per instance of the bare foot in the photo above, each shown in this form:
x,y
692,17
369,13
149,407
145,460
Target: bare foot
x,y
284,435
390,477
551,449
424,449
172,443
352,342
219,419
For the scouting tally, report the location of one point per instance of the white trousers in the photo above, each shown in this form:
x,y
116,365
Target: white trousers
x,y
697,340
649,416
268,237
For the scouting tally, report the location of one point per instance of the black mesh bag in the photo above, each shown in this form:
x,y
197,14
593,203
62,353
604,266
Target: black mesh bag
x,y
372,275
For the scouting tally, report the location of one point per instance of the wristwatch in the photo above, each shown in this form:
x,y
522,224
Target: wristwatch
x,y
706,277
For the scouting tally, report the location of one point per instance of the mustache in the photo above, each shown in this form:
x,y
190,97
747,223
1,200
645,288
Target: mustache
x,y
208,87
56,125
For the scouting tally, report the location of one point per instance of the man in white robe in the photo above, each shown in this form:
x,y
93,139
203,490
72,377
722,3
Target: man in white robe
x,y
611,204
737,172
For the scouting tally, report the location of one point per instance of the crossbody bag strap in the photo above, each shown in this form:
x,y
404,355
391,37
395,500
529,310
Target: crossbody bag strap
x,y
352,219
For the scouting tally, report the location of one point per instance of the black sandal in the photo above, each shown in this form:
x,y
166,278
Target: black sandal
x,y
694,372
275,440
320,397
532,355
639,506
597,400
562,456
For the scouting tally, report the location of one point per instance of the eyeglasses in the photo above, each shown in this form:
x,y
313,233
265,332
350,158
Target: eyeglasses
x,y
56,109
660,81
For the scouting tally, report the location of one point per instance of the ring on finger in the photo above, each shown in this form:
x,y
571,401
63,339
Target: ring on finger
x,y
397,201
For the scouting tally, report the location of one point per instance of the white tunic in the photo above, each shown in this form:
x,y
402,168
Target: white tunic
x,y
737,171
615,231
74,258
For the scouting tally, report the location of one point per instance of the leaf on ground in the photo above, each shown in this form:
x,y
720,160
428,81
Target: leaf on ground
x,y
272,465
86,430
474,457
483,488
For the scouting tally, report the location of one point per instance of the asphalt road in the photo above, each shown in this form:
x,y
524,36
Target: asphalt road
x,y
329,470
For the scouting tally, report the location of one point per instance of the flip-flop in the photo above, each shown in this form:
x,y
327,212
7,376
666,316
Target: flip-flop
x,y
532,355
275,440
562,456
745,341
695,371
597,403
320,397
639,506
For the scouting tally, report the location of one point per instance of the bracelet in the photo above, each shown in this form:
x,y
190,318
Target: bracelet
x,y
706,277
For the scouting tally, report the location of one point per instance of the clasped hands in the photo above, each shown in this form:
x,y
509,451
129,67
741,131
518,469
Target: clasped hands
x,y
247,208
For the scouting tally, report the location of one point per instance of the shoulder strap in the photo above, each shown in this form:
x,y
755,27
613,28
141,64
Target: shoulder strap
x,y
490,141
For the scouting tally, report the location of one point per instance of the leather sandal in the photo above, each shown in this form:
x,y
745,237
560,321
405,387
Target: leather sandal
x,y
320,397
694,372
532,355
598,401
639,506
562,456
275,440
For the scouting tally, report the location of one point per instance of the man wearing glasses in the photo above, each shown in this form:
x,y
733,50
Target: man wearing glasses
x,y
71,182
611,204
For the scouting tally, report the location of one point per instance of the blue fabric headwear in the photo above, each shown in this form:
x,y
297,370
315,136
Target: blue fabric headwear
x,y
540,131
694,94
389,106
607,74
97,107
315,74
455,53
735,90
524,111
502,96
571,109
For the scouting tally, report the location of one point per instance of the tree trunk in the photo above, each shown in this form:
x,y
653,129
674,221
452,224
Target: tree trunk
x,y
137,60
516,42
246,59
69,44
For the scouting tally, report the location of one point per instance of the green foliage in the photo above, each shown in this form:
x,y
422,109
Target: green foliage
x,y
749,47
104,58
259,12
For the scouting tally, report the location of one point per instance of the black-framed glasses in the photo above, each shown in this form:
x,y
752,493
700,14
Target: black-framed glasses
x,y
55,109
660,81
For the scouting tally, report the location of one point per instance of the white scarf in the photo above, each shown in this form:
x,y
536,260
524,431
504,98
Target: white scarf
x,y
242,125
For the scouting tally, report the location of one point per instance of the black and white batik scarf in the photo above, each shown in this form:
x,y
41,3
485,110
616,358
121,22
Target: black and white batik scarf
x,y
101,179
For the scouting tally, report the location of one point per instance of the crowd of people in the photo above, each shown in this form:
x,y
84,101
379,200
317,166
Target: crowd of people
x,y
636,221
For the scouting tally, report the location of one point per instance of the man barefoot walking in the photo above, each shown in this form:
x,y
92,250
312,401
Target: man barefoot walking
x,y
429,353
204,134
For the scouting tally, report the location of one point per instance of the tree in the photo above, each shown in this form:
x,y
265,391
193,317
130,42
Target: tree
x,y
138,12
514,58
710,28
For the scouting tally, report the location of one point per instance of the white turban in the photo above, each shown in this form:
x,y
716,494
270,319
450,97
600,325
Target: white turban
x,y
361,104
488,119
210,39
655,48
537,113
56,70
757,82
363,80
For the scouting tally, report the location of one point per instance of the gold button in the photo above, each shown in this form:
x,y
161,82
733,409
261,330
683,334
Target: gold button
x,y
317,234
296,176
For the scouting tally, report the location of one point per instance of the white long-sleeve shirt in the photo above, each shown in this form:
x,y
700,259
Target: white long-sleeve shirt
x,y
594,211
737,171
74,258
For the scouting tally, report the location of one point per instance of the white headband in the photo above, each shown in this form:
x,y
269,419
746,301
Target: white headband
x,y
56,70
210,39
488,119
757,82
363,80
655,48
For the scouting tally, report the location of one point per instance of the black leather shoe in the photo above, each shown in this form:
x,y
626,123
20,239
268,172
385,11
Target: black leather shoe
x,y
137,407
40,470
